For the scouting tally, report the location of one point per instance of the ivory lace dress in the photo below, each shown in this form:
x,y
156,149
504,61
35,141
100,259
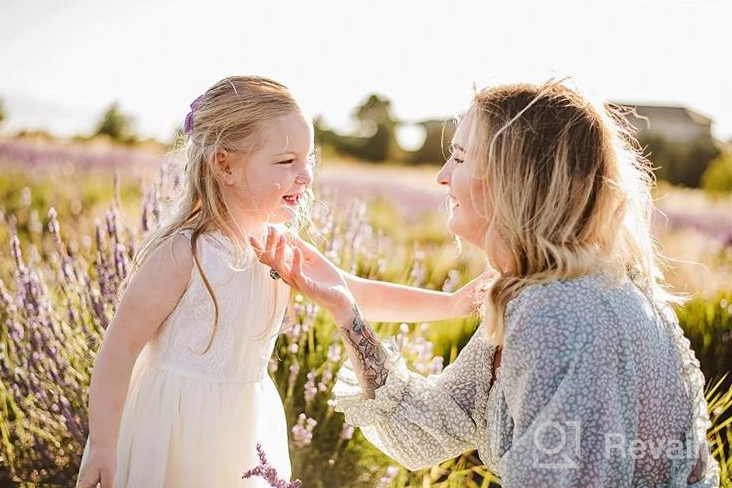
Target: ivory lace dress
x,y
193,421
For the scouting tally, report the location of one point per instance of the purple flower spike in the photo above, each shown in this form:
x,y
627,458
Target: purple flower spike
x,y
267,472
188,123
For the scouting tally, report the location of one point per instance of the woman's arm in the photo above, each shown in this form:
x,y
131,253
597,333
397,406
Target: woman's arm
x,y
417,420
151,295
368,356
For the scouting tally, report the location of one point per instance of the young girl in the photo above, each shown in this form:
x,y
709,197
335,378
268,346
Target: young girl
x,y
180,394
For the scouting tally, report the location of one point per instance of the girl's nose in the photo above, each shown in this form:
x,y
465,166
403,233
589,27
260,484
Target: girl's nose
x,y
306,176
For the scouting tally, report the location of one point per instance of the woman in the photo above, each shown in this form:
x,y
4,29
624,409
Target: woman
x,y
579,374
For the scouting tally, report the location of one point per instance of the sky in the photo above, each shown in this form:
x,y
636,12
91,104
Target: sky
x,y
64,62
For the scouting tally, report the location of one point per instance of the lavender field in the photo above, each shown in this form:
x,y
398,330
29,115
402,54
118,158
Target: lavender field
x,y
71,217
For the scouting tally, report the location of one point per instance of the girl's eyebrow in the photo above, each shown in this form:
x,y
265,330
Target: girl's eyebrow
x,y
295,153
457,146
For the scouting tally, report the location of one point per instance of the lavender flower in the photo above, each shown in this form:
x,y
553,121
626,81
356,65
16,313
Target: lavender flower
x,y
346,431
310,389
269,473
303,432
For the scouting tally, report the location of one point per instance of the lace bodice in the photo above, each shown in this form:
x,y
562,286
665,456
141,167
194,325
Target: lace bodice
x,y
251,307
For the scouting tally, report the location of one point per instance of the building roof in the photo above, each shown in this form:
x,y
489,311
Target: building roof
x,y
651,111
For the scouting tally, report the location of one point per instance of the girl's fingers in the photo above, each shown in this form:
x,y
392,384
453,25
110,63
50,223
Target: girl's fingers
x,y
296,271
279,257
271,242
256,245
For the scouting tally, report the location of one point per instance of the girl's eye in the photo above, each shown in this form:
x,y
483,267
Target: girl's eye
x,y
458,160
289,161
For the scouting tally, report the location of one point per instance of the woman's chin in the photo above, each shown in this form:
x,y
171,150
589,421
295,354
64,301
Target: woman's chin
x,y
464,232
454,226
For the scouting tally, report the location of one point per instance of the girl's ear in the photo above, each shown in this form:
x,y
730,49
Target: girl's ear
x,y
222,167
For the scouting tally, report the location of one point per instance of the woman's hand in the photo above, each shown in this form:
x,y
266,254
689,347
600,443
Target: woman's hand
x,y
99,468
308,271
466,300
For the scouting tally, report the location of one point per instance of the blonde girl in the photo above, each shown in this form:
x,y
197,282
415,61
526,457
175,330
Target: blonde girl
x,y
180,394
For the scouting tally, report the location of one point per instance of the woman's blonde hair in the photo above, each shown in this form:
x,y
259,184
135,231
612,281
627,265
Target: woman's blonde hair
x,y
227,118
567,192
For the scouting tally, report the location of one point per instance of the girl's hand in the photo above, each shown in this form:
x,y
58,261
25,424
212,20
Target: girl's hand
x,y
466,300
309,271
99,468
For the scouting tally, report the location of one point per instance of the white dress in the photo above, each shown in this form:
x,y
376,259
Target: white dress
x,y
193,421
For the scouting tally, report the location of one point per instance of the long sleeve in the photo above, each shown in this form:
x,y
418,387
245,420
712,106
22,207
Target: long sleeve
x,y
569,383
421,421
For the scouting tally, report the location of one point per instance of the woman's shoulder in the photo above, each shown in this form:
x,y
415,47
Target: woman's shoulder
x,y
557,291
564,308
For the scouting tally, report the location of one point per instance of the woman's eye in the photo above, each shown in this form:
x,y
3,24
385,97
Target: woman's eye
x,y
289,161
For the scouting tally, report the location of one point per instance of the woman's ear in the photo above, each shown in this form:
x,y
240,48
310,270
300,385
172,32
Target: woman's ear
x,y
222,168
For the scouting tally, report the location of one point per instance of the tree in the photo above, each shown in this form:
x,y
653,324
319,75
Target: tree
x,y
375,140
377,124
116,125
718,177
680,163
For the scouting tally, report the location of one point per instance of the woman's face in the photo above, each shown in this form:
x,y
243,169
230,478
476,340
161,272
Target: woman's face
x,y
269,184
466,196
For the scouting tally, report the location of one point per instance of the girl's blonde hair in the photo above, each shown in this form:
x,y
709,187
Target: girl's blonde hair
x,y
567,192
227,118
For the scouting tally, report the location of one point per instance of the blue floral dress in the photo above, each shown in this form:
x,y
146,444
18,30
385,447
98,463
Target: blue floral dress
x,y
597,387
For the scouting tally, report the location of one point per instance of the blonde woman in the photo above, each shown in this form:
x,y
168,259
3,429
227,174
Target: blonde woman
x,y
579,374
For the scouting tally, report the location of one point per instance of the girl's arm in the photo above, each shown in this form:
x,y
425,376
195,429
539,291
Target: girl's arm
x,y
380,301
149,298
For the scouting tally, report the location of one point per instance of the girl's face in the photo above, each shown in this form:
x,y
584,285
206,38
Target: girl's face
x,y
268,184
466,194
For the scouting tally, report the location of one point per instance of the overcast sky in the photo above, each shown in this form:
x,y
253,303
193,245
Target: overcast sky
x,y
63,62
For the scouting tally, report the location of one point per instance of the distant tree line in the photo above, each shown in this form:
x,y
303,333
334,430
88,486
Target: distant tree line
x,y
698,163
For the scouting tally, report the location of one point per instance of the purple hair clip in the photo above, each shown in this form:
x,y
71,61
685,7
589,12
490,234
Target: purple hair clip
x,y
188,123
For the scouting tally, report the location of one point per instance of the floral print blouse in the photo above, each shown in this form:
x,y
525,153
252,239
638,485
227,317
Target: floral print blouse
x,y
597,387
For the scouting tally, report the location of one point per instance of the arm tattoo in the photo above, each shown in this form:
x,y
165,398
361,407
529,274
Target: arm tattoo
x,y
368,355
